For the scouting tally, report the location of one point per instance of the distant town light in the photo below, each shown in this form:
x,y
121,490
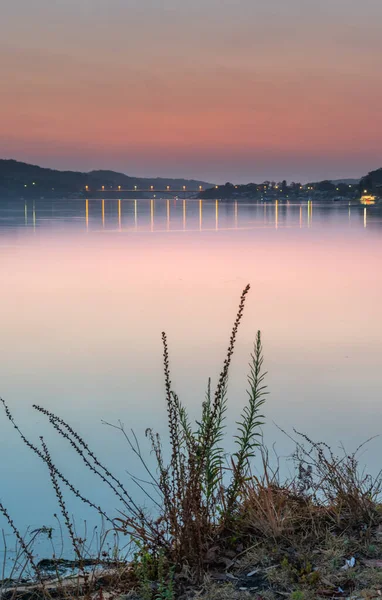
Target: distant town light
x,y
86,187
119,187
216,186
184,187
365,191
368,199
200,187
168,187
151,187
135,187
34,183
103,187
25,185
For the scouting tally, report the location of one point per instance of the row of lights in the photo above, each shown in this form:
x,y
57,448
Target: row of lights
x,y
136,187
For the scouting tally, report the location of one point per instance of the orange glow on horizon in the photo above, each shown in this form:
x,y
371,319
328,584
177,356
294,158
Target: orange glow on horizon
x,y
174,107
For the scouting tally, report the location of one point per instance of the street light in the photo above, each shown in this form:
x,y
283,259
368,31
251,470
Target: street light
x,y
151,187
184,187
119,187
168,187
86,187
103,187
135,187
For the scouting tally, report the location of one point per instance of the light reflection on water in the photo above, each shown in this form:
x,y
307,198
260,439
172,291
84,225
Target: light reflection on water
x,y
88,286
174,215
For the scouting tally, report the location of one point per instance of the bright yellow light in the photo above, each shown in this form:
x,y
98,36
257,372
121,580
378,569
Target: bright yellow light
x,y
368,199
103,187
216,186
184,187
151,187
200,187
119,187
365,191
168,187
86,187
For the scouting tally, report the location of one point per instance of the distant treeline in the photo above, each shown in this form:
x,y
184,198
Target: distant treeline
x,y
371,184
18,179
21,179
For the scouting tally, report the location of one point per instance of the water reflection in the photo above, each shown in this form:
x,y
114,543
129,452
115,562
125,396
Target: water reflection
x,y
88,285
158,215
276,214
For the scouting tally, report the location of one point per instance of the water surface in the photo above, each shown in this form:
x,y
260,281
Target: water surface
x,y
88,286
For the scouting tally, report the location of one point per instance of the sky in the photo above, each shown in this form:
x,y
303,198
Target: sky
x,y
220,90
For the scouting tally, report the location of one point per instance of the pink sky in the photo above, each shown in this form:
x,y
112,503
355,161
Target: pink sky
x,y
215,89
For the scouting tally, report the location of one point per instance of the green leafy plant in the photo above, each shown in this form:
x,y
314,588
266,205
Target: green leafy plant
x,y
199,488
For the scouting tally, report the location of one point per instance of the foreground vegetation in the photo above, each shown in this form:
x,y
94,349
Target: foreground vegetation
x,y
216,529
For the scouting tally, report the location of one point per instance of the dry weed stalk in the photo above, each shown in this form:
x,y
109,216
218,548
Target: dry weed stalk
x,y
202,498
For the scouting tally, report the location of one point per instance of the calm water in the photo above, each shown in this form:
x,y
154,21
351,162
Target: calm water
x,y
87,288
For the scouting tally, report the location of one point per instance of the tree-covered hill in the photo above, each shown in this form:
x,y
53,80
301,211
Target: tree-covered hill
x,y
22,179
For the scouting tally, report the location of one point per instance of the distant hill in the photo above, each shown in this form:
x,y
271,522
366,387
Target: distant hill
x,y
22,179
348,181
372,182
